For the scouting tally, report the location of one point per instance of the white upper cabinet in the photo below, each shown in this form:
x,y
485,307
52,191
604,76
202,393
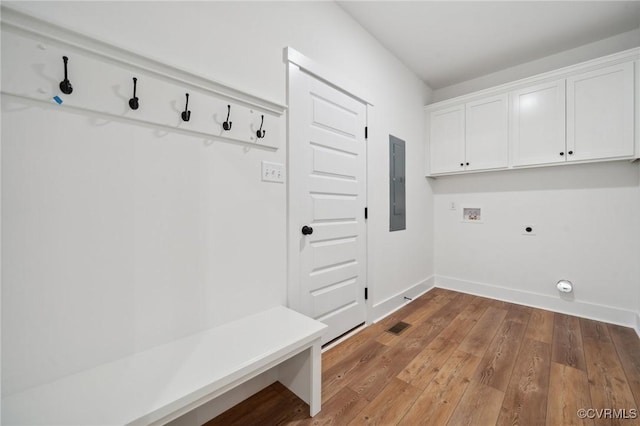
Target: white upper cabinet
x,y
471,136
538,124
486,133
600,113
582,113
447,140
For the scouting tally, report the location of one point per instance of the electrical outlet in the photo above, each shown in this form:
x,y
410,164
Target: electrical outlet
x,y
272,172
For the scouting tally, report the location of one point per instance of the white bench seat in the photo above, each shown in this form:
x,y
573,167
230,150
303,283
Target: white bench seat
x,y
160,384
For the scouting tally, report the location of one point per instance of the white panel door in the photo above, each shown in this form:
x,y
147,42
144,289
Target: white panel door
x,y
327,193
446,140
600,113
487,133
538,127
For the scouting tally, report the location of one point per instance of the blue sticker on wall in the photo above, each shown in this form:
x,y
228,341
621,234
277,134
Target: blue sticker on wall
x,y
58,100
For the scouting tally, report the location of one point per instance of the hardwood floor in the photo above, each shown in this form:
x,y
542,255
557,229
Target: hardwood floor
x,y
467,360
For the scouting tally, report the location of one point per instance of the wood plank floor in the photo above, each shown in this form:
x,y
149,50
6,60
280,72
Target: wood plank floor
x,y
467,360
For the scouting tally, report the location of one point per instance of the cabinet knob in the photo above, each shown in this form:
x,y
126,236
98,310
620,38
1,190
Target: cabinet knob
x,y
570,153
467,164
562,153
461,164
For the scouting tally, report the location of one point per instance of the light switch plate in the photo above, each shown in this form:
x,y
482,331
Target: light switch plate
x,y
272,172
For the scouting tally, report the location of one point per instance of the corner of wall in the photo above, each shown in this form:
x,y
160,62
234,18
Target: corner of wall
x,y
397,301
428,94
637,327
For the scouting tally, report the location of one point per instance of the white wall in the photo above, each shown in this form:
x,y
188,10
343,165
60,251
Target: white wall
x,y
117,238
638,288
586,222
399,260
586,219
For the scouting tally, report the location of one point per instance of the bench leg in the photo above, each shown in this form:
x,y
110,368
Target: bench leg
x,y
302,374
316,379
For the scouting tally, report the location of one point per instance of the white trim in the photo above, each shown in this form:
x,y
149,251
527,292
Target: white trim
x,y
46,103
534,166
593,311
344,337
397,301
637,106
321,72
293,256
1,252
637,327
615,58
22,23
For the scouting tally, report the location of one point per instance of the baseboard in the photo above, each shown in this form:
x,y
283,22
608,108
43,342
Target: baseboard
x,y
397,301
233,397
536,300
637,327
344,337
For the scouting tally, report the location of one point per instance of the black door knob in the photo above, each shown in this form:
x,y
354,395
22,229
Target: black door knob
x,y
307,230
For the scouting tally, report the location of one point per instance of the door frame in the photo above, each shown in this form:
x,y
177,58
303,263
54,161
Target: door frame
x,y
296,61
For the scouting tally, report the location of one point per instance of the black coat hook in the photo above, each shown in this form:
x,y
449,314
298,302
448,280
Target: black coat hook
x,y
227,124
65,85
133,102
260,133
186,114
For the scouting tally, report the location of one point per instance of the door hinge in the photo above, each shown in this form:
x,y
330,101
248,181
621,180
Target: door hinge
x,y
366,132
366,213
366,293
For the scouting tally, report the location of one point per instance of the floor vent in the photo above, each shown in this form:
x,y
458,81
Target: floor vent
x,y
399,328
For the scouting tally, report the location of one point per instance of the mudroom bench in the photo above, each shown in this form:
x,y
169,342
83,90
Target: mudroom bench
x,y
158,385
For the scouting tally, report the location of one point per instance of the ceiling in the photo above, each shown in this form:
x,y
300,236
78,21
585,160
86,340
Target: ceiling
x,y
448,42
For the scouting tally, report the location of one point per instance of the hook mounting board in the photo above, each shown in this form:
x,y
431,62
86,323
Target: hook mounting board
x,y
101,75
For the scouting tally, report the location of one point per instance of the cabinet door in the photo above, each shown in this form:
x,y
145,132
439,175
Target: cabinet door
x,y
446,142
600,113
486,133
538,128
